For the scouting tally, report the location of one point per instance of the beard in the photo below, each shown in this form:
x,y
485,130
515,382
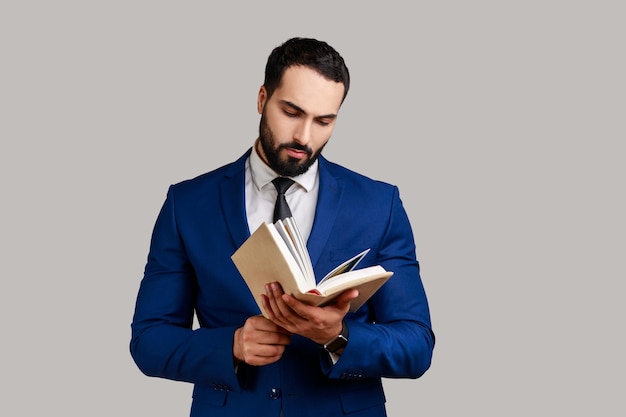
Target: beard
x,y
289,167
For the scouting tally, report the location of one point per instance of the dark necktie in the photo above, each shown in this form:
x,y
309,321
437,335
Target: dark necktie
x,y
281,209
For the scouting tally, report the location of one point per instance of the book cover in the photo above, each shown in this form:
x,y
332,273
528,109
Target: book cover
x,y
276,252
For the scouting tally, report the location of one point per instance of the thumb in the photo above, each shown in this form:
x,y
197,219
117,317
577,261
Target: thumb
x,y
343,301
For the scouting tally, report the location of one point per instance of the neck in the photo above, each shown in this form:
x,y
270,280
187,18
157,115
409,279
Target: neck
x,y
259,151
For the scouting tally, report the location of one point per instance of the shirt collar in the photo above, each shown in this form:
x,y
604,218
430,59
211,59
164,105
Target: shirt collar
x,y
262,174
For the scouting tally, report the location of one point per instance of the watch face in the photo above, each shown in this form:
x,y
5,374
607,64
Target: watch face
x,y
340,341
336,344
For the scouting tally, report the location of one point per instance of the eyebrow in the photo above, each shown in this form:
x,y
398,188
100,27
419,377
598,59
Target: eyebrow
x,y
301,110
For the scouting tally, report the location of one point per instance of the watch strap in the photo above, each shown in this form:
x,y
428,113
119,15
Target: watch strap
x,y
340,341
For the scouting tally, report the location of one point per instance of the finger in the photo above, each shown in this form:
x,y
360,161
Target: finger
x,y
267,307
282,310
269,303
274,312
302,311
262,323
264,354
259,329
265,343
276,305
342,302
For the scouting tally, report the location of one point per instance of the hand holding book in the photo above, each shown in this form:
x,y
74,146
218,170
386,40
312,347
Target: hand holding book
x,y
277,252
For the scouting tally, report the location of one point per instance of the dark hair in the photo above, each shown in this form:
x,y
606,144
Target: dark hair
x,y
307,52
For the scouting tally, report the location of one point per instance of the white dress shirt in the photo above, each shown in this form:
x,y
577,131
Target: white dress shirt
x,y
261,198
261,194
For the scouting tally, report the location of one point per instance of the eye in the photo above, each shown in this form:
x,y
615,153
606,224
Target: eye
x,y
290,113
322,122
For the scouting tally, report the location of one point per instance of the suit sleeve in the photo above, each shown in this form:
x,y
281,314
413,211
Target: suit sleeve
x,y
163,343
396,340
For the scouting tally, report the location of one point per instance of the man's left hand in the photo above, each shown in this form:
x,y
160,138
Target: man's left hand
x,y
320,324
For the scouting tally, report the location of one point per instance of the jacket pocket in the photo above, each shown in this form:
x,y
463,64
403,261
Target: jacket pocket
x,y
210,394
367,395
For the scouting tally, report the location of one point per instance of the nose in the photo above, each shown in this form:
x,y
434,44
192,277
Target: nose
x,y
302,134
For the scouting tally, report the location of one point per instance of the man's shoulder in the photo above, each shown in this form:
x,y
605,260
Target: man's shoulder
x,y
352,178
214,177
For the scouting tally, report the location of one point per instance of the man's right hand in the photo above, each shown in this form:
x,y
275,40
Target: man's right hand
x,y
259,342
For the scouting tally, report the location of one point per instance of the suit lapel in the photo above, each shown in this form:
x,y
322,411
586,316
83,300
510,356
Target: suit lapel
x,y
232,197
329,197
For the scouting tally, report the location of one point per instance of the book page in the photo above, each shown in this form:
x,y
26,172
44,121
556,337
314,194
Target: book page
x,y
265,257
346,266
292,228
366,280
287,237
352,279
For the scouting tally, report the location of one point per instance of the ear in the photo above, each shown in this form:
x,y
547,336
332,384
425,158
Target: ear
x,y
260,104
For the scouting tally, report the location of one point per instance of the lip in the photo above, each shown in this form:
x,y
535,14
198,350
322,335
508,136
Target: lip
x,y
295,153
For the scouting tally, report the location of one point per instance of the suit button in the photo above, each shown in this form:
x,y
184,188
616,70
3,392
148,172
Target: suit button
x,y
274,393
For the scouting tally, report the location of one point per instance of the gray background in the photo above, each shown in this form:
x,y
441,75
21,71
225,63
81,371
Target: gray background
x,y
501,122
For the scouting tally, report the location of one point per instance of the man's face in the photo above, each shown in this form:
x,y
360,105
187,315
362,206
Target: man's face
x,y
298,120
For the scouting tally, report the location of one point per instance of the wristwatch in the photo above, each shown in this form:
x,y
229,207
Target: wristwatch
x,y
338,342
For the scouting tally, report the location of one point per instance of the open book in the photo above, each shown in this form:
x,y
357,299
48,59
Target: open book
x,y
277,252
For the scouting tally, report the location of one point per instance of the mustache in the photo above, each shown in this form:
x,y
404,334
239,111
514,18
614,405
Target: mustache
x,y
297,146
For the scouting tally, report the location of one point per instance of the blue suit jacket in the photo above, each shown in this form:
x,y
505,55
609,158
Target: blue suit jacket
x,y
201,224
